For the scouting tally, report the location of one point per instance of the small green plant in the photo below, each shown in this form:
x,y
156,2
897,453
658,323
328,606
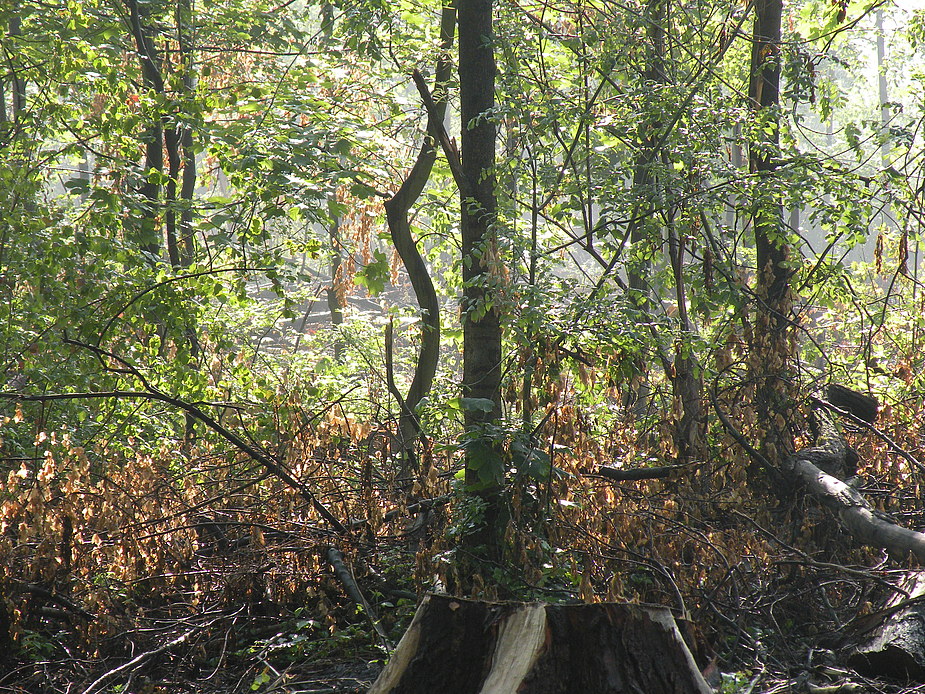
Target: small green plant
x,y
733,682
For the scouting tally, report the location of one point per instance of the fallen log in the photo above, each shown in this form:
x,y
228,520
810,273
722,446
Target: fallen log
x,y
808,468
895,647
811,466
456,646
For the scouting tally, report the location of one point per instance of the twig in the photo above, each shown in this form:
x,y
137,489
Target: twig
x,y
643,473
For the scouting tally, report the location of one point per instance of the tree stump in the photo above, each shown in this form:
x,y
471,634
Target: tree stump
x,y
456,646
896,645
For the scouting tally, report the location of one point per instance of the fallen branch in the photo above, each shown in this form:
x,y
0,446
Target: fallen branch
x,y
152,393
138,661
337,561
856,514
864,523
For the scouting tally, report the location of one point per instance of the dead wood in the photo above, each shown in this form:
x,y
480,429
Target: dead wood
x,y
896,646
857,516
862,406
861,520
337,561
456,646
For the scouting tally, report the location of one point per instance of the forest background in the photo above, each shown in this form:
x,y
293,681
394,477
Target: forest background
x,y
311,307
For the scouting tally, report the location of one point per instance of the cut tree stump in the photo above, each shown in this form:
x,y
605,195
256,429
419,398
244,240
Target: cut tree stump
x,y
456,646
895,647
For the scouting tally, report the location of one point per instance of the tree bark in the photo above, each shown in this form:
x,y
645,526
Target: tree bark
x,y
484,473
19,84
397,209
466,647
771,346
148,233
481,323
895,647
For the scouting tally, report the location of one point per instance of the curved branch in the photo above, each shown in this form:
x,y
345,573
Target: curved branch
x,y
397,210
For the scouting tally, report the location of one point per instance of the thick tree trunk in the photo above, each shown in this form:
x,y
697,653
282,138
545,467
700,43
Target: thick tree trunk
x,y
480,311
465,647
481,323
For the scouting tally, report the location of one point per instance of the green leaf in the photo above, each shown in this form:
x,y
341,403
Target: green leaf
x,y
472,404
375,274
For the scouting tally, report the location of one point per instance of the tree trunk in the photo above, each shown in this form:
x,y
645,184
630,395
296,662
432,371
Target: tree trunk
x,y
481,324
335,293
465,647
19,84
771,347
148,232
397,209
480,312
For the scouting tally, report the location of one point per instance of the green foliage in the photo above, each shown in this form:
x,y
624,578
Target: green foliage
x,y
301,120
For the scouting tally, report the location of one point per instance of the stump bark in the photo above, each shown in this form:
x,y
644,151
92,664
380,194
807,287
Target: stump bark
x,y
456,646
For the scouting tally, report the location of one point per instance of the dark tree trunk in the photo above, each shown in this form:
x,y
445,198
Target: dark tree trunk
x,y
179,142
465,647
481,324
185,40
480,312
397,209
19,84
644,227
139,25
771,347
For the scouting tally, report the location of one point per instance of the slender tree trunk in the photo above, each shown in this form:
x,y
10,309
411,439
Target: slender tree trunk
x,y
335,296
883,89
480,313
139,25
644,179
172,145
643,227
180,146
397,209
185,40
481,324
772,339
19,84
